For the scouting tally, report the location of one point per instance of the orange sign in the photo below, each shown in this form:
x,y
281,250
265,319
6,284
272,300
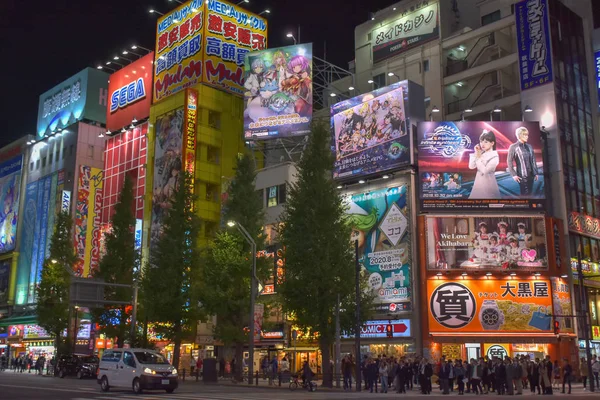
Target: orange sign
x,y
561,301
504,305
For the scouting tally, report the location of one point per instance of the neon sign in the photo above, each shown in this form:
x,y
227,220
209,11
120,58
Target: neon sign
x,y
127,94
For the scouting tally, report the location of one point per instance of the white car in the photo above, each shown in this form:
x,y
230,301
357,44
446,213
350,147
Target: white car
x,y
138,369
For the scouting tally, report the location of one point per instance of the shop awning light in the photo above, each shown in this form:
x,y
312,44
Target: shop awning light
x,y
488,274
339,186
435,109
438,274
370,81
564,276
513,274
537,274
464,274
101,135
333,94
386,176
351,88
361,181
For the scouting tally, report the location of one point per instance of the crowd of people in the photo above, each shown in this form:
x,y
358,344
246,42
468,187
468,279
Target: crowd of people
x,y
24,363
507,376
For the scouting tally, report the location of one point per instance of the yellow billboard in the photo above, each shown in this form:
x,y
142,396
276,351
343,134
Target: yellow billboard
x,y
205,41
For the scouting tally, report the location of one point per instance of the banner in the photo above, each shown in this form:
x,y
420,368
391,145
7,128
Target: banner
x,y
10,189
584,224
4,280
561,302
167,166
480,165
189,140
415,27
382,329
278,93
259,310
371,132
380,220
490,242
533,42
503,305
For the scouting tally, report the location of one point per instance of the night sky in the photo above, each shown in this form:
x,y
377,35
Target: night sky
x,y
45,42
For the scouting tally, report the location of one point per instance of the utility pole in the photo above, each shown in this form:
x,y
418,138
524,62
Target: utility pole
x,y
357,322
584,320
338,343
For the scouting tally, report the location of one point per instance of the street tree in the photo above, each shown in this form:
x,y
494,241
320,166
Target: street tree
x,y
120,265
169,278
52,305
318,253
226,272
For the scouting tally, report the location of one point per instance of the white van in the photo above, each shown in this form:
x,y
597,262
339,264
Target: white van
x,y
138,369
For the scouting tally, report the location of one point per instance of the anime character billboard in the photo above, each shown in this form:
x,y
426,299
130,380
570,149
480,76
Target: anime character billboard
x,y
278,92
380,221
371,132
480,165
10,184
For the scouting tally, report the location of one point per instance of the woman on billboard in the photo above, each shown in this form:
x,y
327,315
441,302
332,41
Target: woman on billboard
x,y
485,159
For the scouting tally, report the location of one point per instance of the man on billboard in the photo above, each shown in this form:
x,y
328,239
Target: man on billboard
x,y
521,156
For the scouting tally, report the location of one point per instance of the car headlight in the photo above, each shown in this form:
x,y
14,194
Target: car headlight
x,y
149,371
174,371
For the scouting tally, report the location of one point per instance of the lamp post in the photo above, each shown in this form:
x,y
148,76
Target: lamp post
x,y
357,323
527,109
584,319
253,281
434,110
291,35
462,114
496,109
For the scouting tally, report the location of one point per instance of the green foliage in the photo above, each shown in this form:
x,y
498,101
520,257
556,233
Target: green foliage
x,y
119,265
169,278
52,305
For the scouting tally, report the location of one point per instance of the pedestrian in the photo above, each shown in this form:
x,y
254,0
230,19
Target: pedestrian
x,y
583,368
476,373
451,376
510,376
307,375
534,375
517,376
596,370
372,375
459,372
485,376
402,376
556,370
500,372
363,371
548,374
265,366
199,364
192,365
273,366
567,375
444,376
347,373
425,373
383,373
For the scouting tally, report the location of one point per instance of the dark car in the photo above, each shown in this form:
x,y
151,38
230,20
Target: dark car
x,y
80,365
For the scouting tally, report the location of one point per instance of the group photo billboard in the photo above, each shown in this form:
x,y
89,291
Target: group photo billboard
x,y
278,96
480,165
380,223
490,242
371,132
478,306
10,188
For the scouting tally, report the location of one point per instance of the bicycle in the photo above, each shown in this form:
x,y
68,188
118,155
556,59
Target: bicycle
x,y
307,384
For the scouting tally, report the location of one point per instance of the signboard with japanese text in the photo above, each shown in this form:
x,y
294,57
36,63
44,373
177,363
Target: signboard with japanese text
x,y
413,27
382,329
486,242
533,42
130,93
82,96
595,332
34,332
188,152
499,351
480,165
10,190
380,221
584,224
597,59
371,132
490,305
205,41
561,302
278,92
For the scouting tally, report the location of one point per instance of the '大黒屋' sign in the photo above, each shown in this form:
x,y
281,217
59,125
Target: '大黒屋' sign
x,y
533,40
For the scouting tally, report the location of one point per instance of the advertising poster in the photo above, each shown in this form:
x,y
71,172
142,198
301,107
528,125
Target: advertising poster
x,y
10,187
189,136
381,329
278,93
93,230
533,42
27,238
4,279
380,221
597,59
561,302
505,305
412,28
167,166
370,132
480,165
515,243
81,216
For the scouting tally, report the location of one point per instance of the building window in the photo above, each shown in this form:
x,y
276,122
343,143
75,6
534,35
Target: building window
x,y
210,229
260,193
214,119
425,65
31,166
57,155
276,195
71,148
282,193
37,164
90,151
212,154
427,102
50,158
491,17
64,152
43,162
378,81
212,192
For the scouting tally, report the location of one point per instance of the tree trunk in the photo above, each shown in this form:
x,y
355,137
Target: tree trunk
x,y
239,361
326,366
177,345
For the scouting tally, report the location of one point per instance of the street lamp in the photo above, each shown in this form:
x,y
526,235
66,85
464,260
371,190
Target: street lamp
x,y
462,114
253,294
527,109
153,11
267,11
434,110
496,109
290,35
390,74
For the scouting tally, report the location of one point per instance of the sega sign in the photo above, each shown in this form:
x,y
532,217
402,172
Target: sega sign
x,y
130,91
382,329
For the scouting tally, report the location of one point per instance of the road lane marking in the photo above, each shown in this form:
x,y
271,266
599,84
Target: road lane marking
x,y
74,390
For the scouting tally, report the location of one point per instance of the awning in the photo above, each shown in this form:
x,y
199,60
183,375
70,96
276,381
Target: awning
x,y
19,319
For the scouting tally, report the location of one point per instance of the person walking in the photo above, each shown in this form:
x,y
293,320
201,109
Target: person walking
x,y
556,370
307,375
534,376
518,376
444,376
500,372
475,375
567,375
459,372
273,366
596,370
451,376
383,373
583,368
402,374
192,365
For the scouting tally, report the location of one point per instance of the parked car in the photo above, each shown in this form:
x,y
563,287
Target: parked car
x,y
139,369
80,365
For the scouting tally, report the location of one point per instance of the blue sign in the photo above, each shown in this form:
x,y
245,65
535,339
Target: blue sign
x,y
128,94
533,40
597,58
82,96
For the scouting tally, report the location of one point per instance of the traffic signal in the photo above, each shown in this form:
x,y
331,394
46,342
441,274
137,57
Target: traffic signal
x,y
556,327
389,331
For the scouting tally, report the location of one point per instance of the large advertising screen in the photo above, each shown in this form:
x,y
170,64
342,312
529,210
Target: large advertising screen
x,y
278,93
371,132
205,41
168,165
490,242
412,28
380,223
130,93
480,165
503,305
10,189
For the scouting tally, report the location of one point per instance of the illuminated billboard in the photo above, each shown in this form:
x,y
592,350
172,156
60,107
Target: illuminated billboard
x,y
130,93
278,93
205,41
380,221
490,305
10,189
486,242
480,165
372,132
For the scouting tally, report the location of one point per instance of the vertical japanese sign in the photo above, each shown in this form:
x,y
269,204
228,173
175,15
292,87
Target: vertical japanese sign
x,y
597,59
259,311
503,305
10,188
189,140
561,302
533,41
